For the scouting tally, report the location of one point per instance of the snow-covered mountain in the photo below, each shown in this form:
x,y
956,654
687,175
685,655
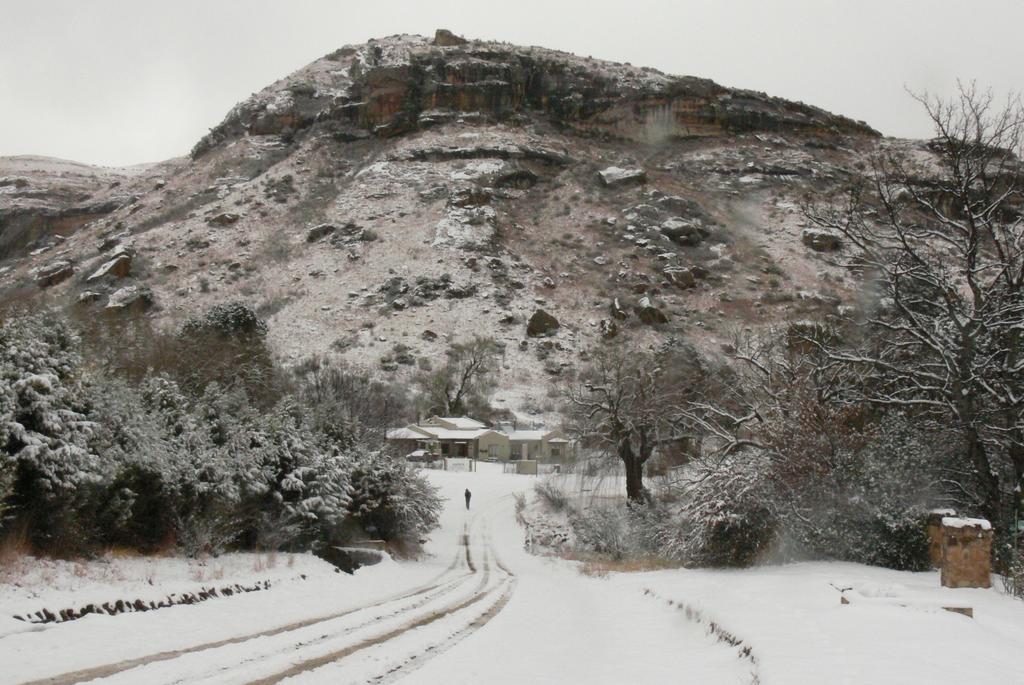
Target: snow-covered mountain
x,y
399,194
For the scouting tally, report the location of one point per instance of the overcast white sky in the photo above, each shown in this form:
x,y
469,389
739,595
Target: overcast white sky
x,y
119,82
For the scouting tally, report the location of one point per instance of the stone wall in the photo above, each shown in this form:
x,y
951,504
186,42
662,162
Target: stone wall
x,y
966,553
933,529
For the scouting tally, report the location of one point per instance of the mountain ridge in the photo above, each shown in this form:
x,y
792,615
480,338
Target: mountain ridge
x,y
396,196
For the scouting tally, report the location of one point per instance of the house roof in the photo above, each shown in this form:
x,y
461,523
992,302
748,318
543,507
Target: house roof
x,y
527,435
459,422
449,434
406,433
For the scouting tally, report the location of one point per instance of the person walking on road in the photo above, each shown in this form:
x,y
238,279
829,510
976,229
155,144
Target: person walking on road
x,y
468,495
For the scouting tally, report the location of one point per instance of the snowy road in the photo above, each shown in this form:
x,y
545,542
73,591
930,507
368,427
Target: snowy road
x,y
479,610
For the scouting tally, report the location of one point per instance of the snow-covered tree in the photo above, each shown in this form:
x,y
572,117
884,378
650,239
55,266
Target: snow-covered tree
x,y
390,498
44,433
942,239
625,399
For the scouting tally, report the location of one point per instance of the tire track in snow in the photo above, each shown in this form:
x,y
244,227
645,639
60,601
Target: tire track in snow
x,y
312,664
503,588
508,588
108,670
439,587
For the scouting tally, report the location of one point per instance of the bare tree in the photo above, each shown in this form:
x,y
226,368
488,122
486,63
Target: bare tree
x,y
460,384
623,399
349,405
941,237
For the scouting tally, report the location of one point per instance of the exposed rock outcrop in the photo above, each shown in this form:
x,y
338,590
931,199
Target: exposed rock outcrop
x,y
445,38
223,219
118,266
319,232
53,273
822,241
617,176
649,314
131,297
402,83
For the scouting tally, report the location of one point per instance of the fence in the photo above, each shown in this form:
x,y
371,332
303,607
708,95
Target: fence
x,y
459,464
530,467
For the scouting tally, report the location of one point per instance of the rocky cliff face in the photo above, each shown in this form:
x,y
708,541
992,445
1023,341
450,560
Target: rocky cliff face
x,y
43,199
408,83
397,195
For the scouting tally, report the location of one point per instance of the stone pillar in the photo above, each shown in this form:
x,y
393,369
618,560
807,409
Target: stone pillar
x,y
933,529
966,552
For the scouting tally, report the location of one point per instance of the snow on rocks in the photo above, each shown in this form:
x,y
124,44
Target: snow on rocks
x,y
821,241
954,522
617,176
119,266
466,227
545,533
224,219
37,590
129,296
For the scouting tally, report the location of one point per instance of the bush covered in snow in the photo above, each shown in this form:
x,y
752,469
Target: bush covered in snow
x,y
391,499
91,460
862,500
729,514
551,495
871,502
856,494
605,530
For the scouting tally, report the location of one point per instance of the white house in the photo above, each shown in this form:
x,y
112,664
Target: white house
x,y
461,436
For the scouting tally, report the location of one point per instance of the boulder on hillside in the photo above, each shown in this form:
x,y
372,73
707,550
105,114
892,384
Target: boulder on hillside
x,y
680,276
223,219
350,234
469,196
648,313
821,241
445,39
53,273
608,328
118,267
683,232
130,297
320,231
111,241
617,311
541,324
617,176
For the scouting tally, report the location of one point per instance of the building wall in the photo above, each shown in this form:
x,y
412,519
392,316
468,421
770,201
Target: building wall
x,y
493,445
534,449
458,448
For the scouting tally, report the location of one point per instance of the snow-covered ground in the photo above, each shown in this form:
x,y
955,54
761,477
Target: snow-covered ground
x,y
894,631
479,609
29,585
